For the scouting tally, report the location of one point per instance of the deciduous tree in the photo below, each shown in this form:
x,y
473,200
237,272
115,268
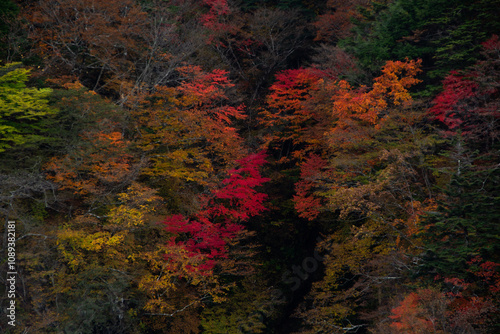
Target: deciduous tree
x,y
221,217
24,109
188,132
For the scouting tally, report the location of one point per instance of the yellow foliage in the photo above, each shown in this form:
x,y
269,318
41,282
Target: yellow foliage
x,y
136,202
187,131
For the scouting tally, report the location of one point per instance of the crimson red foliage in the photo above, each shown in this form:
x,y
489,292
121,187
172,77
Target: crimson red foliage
x,y
448,106
473,299
306,203
222,214
212,19
469,101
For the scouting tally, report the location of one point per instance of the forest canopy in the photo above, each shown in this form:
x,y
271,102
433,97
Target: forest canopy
x,y
240,166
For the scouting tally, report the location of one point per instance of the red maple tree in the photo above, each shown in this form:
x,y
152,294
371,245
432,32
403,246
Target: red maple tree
x,y
469,101
221,216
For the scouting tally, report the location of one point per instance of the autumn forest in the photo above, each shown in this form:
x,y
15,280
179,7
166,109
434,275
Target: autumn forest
x,y
242,166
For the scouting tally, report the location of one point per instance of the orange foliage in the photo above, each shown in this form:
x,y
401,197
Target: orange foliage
x,y
188,131
353,109
100,158
288,114
101,36
297,111
102,163
416,314
410,226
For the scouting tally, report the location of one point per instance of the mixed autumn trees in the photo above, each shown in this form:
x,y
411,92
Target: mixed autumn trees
x,y
169,161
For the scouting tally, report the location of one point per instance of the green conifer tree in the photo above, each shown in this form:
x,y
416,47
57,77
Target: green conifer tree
x,y
465,225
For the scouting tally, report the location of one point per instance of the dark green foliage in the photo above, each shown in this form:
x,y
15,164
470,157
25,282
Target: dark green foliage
x,y
466,224
378,37
14,45
8,10
97,302
445,34
244,312
465,25
307,7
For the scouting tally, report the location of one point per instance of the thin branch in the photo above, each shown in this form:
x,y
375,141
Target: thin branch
x,y
175,312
